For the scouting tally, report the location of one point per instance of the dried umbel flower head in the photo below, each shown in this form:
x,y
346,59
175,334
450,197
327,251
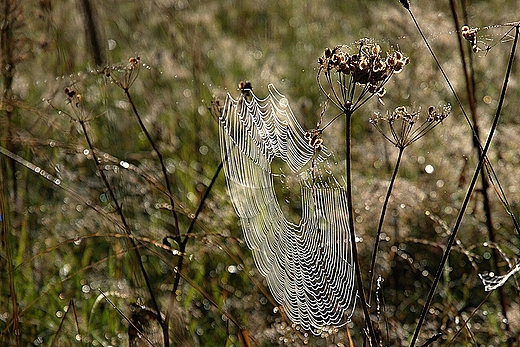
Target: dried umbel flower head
x,y
125,75
73,98
363,66
77,104
402,127
435,115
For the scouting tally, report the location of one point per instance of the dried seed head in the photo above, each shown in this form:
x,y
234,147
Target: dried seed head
x,y
70,92
245,86
405,3
434,116
123,75
402,127
328,52
364,65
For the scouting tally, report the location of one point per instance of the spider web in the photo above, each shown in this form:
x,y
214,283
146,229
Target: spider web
x,y
492,281
309,265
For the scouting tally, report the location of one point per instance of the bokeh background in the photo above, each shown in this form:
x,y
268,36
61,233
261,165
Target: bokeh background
x,y
69,274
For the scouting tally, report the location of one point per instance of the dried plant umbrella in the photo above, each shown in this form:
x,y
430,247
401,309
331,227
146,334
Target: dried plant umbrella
x,y
308,265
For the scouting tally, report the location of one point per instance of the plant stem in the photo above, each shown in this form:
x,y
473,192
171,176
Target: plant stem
x,y
155,304
368,322
183,243
469,192
5,242
159,156
470,90
381,220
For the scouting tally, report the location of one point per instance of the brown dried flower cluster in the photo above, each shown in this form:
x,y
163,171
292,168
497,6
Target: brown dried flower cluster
x,y
366,67
403,124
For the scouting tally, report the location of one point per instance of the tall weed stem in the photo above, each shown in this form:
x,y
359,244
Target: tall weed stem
x,y
469,192
119,209
159,156
381,220
470,91
184,242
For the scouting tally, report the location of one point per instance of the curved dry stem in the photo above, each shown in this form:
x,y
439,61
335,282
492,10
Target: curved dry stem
x,y
381,221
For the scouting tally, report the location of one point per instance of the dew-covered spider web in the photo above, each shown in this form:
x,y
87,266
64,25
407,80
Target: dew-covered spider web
x,y
308,265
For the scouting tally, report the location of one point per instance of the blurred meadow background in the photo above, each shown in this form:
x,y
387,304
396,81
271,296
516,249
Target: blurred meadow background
x,y
80,79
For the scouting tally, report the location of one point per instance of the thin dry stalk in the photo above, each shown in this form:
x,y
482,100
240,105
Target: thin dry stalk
x,y
470,91
467,198
6,243
119,209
